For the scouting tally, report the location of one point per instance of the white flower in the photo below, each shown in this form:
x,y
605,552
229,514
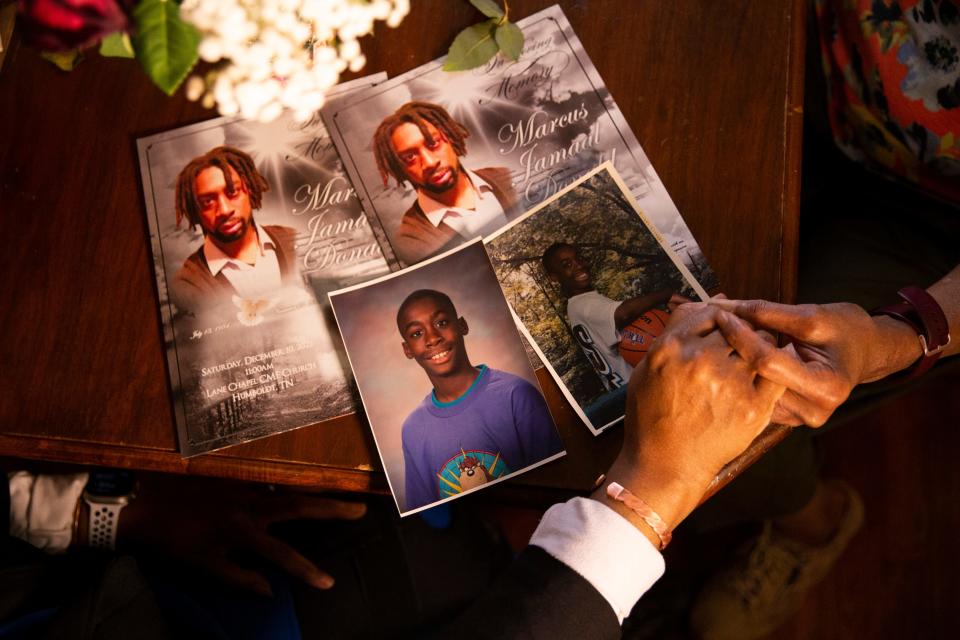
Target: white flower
x,y
932,58
280,54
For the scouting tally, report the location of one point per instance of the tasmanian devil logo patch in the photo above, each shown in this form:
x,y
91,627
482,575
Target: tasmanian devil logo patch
x,y
468,470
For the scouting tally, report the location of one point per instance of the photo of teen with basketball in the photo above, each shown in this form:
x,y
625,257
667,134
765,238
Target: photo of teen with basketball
x,y
593,286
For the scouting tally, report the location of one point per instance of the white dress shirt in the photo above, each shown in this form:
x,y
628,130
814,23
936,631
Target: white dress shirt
x,y
486,217
251,281
604,548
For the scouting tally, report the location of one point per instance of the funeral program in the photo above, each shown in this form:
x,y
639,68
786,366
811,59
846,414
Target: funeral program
x,y
250,225
518,132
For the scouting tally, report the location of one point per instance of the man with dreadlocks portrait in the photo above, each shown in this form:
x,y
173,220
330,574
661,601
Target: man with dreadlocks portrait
x,y
421,144
219,192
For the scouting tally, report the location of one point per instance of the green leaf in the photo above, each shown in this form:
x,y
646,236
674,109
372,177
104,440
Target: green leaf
x,y
116,45
472,47
66,60
488,8
510,40
165,45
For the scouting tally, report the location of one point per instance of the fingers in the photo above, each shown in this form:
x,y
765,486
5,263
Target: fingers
x,y
797,321
814,390
288,559
700,320
679,312
813,412
768,392
781,415
774,364
243,579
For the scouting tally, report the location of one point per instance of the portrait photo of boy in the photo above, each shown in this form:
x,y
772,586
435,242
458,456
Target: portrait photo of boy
x,y
475,415
502,418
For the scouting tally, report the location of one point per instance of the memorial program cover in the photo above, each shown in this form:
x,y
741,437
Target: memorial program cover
x,y
521,131
252,347
591,282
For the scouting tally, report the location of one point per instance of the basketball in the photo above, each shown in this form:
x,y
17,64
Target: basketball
x,y
637,337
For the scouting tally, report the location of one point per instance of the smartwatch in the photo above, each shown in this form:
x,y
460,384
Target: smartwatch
x,y
106,494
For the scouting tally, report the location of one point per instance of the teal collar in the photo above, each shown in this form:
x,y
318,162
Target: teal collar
x,y
443,405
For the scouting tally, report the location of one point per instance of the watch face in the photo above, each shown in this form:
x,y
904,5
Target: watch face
x,y
110,483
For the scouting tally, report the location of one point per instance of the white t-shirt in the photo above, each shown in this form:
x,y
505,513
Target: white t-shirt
x,y
603,547
591,319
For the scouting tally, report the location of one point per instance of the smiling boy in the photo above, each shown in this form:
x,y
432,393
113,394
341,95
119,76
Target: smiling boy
x,y
478,423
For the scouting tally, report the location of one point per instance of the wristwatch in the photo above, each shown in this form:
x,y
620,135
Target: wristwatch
x,y
106,494
922,312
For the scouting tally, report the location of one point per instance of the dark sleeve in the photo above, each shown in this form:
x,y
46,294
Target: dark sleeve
x,y
539,597
5,501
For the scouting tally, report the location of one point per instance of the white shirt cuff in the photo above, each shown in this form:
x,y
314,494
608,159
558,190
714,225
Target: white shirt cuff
x,y
42,508
604,548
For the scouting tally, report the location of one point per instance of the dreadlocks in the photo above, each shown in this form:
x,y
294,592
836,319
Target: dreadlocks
x,y
418,113
223,158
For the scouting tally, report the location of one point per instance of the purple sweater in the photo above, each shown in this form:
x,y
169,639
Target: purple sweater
x,y
500,425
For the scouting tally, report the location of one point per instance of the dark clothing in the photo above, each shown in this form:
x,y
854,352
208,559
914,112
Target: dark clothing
x,y
417,238
539,597
194,287
394,579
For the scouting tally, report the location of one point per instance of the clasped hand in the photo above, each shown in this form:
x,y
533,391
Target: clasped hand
x,y
693,405
830,349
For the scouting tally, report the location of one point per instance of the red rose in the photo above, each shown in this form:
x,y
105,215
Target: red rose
x,y
61,25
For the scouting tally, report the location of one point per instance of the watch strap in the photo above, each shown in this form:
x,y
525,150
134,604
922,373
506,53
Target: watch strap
x,y
923,313
102,524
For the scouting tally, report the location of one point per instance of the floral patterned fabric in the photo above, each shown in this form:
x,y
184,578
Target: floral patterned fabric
x,y
893,86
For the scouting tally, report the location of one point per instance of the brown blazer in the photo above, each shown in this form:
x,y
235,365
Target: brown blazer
x,y
194,287
417,238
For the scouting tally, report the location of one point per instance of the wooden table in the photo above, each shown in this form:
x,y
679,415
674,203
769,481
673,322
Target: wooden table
x,y
713,91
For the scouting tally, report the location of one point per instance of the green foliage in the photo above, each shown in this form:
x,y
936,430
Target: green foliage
x,y
117,45
165,45
488,8
510,40
65,60
476,44
472,47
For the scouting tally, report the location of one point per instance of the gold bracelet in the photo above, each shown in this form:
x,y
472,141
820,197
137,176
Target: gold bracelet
x,y
642,509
